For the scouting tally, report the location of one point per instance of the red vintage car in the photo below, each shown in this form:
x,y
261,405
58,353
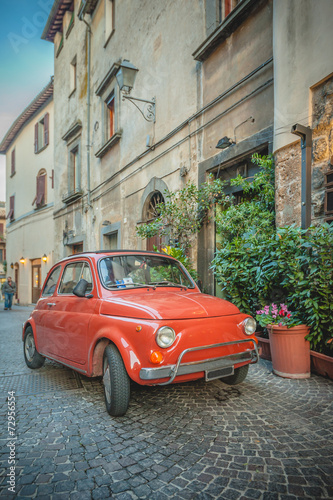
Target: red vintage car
x,y
133,315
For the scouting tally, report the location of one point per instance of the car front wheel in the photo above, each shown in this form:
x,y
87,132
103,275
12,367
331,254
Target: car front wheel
x,y
32,357
238,376
116,382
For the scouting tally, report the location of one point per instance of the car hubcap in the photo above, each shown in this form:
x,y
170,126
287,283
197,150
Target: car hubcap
x,y
29,347
107,383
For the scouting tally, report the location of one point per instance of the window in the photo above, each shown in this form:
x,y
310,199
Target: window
x,y
108,91
109,19
10,214
110,116
72,275
2,254
329,196
40,198
225,7
42,133
74,172
51,283
69,19
12,163
60,44
1,230
72,76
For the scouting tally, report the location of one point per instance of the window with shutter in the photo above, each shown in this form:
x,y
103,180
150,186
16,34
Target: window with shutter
x,y
42,133
12,164
10,214
40,198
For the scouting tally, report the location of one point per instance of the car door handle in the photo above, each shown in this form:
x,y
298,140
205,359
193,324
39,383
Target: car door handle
x,y
51,304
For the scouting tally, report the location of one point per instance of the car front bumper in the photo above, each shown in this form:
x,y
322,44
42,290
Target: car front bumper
x,y
213,368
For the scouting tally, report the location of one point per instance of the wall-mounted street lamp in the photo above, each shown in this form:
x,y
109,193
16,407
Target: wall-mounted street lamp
x,y
22,260
126,76
12,266
44,258
225,142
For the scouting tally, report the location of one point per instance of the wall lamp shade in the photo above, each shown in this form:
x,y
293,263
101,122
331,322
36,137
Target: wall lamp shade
x,y
224,143
126,76
44,258
12,266
22,260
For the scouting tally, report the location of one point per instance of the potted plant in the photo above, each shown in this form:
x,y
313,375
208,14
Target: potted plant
x,y
289,349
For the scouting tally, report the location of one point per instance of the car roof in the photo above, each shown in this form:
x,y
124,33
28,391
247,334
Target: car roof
x,y
114,252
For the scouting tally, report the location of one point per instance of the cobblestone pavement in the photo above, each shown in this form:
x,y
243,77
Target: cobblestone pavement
x,y
268,438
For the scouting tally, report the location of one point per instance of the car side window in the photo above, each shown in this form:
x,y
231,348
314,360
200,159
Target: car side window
x,y
72,275
51,283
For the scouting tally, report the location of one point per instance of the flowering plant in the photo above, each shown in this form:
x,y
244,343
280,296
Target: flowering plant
x,y
276,315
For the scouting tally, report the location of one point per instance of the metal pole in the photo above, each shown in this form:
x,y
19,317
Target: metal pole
x,y
305,133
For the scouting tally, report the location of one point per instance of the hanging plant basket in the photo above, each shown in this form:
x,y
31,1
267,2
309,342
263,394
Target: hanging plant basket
x,y
290,351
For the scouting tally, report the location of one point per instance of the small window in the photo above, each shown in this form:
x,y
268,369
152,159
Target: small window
x,y
42,133
109,19
51,284
69,18
72,275
12,163
10,214
60,44
74,170
73,76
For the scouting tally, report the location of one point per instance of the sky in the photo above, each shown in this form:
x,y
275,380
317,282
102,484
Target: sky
x,y
26,62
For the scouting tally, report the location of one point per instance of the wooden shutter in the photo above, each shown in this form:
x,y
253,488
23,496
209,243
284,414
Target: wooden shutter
x,y
46,129
13,163
40,198
1,229
52,179
36,137
10,215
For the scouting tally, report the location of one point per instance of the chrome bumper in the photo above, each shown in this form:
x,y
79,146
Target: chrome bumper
x,y
213,368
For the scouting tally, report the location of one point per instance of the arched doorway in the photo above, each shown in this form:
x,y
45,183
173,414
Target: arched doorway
x,y
150,213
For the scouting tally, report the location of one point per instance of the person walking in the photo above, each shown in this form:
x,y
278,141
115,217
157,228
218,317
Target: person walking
x,y
8,290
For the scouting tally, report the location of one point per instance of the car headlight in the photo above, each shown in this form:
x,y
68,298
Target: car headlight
x,y
249,326
165,336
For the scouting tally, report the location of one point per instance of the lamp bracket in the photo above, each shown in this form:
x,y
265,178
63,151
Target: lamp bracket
x,y
148,109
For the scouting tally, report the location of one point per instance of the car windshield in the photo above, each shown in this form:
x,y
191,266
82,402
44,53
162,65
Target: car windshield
x,y
129,271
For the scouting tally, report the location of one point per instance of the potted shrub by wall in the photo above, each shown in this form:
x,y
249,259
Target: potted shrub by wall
x,y
290,350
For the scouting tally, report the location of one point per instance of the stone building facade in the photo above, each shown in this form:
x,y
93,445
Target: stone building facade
x,y
28,146
303,68
122,162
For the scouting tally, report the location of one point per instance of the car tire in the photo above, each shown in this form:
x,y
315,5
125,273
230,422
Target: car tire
x,y
238,377
32,357
116,382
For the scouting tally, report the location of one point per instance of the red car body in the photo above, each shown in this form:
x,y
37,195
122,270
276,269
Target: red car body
x,y
75,330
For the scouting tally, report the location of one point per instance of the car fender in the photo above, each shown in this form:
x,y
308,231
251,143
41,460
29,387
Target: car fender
x,y
102,337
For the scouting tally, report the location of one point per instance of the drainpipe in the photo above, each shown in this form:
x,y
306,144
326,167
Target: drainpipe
x,y
305,133
81,17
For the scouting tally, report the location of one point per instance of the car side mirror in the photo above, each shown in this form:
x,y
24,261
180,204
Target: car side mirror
x,y
80,289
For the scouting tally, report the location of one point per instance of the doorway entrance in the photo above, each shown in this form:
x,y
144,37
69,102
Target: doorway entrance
x,y
36,279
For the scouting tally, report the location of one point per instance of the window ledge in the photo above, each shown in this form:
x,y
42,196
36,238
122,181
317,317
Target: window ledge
x,y
226,28
72,196
72,93
108,38
41,149
109,144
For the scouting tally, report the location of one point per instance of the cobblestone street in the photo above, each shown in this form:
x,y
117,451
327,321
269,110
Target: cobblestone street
x,y
268,438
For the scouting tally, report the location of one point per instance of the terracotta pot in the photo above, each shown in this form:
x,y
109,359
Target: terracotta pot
x,y
321,364
265,347
290,351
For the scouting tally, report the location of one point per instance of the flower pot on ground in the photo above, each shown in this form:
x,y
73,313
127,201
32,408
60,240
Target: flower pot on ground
x,y
321,364
264,343
290,351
